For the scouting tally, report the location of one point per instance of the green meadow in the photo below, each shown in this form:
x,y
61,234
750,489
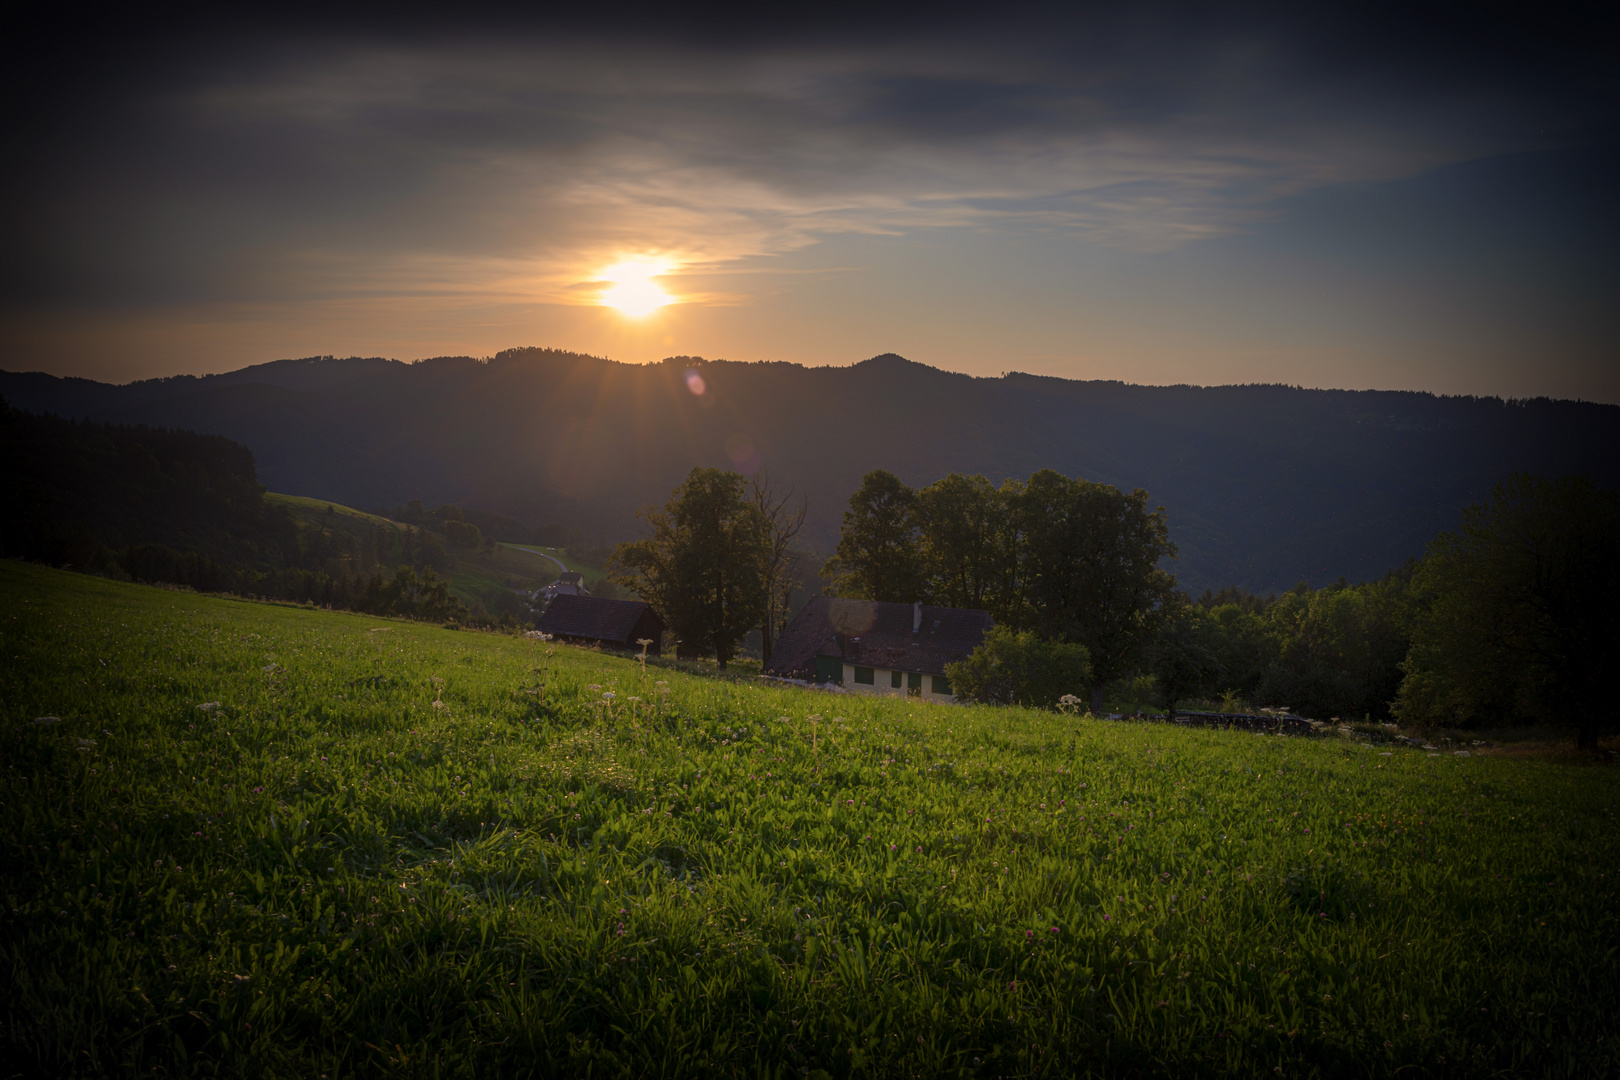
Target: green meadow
x,y
262,840
474,575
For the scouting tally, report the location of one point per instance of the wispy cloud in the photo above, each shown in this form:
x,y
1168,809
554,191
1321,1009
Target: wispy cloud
x,y
519,170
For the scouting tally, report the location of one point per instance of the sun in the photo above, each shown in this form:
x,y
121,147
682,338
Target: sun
x,y
633,292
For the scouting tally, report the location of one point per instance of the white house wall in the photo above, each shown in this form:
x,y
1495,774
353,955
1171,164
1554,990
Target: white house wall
x,y
883,677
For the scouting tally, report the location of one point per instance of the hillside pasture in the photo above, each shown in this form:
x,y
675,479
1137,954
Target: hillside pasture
x,y
475,575
592,573
263,840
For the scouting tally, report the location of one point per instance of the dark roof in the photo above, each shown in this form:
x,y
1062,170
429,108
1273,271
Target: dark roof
x,y
876,633
596,618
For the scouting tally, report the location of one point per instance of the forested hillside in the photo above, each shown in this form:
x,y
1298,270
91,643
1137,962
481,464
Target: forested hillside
x,y
72,489
1264,485
168,505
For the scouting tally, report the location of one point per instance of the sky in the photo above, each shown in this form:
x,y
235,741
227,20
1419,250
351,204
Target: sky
x,y
1362,196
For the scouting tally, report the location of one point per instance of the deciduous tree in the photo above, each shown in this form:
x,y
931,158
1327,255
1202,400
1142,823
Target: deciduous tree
x,y
781,521
1518,614
1184,656
703,567
967,544
1089,569
878,556
1339,648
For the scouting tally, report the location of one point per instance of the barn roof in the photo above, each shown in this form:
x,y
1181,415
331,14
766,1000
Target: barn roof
x,y
876,633
594,617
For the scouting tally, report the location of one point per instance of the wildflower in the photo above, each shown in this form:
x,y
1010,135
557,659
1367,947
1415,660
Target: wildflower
x,y
1029,935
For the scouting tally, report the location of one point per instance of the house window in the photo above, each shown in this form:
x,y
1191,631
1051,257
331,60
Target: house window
x,y
866,675
894,679
913,684
942,685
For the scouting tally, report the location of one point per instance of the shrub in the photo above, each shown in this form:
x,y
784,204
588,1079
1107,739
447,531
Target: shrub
x,y
463,534
1013,668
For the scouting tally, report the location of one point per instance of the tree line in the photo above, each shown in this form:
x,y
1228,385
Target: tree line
x,y
1066,560
1515,617
1512,618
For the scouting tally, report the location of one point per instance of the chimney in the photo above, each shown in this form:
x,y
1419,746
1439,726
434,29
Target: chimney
x,y
916,616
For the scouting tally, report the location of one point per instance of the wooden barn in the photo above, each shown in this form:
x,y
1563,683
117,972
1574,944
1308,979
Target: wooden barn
x,y
612,624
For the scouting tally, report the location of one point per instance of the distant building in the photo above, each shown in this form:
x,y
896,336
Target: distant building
x,y
612,624
875,647
569,583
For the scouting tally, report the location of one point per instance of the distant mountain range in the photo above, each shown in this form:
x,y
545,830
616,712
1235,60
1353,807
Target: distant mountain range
x,y
1264,485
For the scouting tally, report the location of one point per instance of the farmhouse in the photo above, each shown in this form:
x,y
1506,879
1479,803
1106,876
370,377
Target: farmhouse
x,y
612,624
568,583
875,647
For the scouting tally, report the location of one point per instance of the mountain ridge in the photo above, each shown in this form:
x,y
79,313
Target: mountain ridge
x,y
1264,484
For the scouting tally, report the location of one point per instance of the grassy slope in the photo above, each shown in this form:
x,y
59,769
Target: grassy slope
x,y
593,573
473,574
313,512
382,854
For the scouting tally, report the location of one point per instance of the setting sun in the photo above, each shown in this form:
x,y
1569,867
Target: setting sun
x,y
633,291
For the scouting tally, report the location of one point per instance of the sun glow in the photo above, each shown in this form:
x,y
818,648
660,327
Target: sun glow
x,y
633,291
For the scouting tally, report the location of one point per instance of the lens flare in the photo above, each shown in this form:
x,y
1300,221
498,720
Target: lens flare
x,y
633,291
